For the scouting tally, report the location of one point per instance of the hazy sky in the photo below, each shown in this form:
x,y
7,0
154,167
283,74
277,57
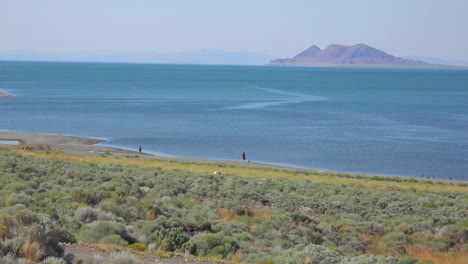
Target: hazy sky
x,y
437,28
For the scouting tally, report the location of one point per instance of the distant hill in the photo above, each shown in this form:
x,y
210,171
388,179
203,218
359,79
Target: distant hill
x,y
355,55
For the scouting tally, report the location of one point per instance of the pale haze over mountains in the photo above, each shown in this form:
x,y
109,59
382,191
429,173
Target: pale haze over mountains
x,y
227,32
204,56
333,55
440,61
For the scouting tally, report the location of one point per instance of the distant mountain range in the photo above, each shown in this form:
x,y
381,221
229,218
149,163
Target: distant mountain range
x,y
438,61
360,55
204,56
334,55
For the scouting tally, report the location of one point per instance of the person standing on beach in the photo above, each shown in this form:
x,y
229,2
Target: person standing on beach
x,y
139,149
243,156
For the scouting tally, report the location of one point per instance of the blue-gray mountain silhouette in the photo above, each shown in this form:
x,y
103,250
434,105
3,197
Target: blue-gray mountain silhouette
x,y
341,55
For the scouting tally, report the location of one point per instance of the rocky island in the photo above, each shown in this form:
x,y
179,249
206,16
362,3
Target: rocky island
x,y
359,55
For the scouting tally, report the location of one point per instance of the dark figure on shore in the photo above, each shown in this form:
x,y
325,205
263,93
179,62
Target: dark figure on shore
x,y
139,149
243,156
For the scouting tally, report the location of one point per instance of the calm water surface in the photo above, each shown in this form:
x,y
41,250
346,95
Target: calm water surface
x,y
381,121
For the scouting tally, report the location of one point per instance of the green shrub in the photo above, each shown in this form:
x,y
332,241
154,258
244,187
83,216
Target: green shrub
x,y
84,197
311,254
137,246
19,198
97,230
442,244
395,239
110,206
169,239
240,210
408,260
113,239
30,235
86,215
217,245
356,242
11,259
104,228
12,246
135,202
454,232
428,204
108,216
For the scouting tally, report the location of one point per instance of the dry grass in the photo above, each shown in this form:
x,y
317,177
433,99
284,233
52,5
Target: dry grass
x,y
417,252
260,215
5,225
224,214
33,251
3,231
376,248
253,227
237,258
263,214
422,254
150,216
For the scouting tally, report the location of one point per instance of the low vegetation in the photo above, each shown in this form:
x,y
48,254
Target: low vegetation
x,y
244,215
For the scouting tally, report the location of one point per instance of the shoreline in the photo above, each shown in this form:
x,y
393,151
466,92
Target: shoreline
x,y
83,146
258,164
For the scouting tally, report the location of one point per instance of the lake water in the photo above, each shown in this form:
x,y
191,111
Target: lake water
x,y
381,121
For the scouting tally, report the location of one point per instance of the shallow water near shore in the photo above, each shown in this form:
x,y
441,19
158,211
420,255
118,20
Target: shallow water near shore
x,y
9,142
380,121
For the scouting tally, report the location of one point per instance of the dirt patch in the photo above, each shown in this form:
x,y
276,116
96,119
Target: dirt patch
x,y
75,252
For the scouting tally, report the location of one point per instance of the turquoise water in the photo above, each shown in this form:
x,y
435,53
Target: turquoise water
x,y
382,121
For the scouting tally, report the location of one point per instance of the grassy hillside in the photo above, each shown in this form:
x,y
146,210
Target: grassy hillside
x,y
249,215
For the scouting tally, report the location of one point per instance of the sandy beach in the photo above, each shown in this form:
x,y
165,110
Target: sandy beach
x,y
87,147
